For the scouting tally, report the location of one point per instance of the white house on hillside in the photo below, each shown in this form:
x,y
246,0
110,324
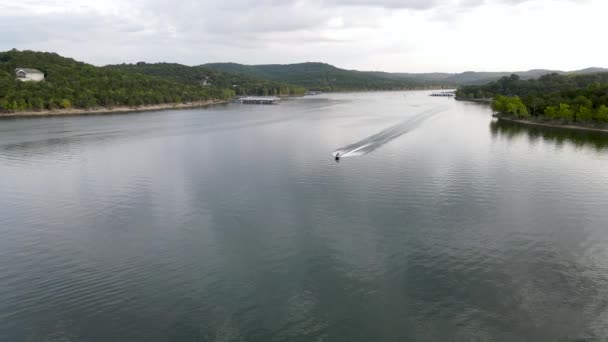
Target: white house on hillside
x,y
26,74
206,82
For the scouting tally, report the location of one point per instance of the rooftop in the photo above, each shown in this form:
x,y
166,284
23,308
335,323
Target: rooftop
x,y
29,70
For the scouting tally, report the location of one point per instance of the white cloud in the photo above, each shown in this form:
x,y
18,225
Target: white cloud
x,y
393,35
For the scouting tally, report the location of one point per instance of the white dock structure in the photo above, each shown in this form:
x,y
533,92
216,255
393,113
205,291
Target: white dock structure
x,y
444,93
259,100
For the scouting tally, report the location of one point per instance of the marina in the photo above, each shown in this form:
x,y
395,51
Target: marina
x,y
259,100
444,94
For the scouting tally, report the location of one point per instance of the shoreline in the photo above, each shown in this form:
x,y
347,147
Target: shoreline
x,y
544,124
474,100
113,110
157,107
536,123
320,92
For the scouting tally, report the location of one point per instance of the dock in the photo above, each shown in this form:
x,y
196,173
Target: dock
x,y
444,94
259,100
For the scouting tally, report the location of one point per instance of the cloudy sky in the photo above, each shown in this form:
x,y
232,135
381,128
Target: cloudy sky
x,y
390,35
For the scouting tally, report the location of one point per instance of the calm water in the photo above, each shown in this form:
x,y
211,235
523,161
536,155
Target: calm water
x,y
234,223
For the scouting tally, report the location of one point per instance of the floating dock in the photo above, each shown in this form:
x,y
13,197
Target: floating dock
x,y
259,100
444,94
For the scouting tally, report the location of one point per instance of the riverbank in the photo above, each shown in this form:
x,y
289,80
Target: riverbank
x,y
113,110
537,123
553,125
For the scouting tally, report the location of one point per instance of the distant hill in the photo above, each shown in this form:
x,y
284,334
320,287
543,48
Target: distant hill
x,y
321,76
70,83
473,77
478,78
588,71
429,77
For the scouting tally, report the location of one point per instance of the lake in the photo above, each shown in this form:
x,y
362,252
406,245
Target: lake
x,y
234,223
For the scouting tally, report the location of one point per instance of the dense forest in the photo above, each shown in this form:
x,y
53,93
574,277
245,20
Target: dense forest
x,y
567,97
560,98
69,83
325,77
200,75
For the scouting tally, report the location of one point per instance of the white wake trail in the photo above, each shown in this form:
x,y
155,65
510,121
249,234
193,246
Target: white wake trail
x,y
377,140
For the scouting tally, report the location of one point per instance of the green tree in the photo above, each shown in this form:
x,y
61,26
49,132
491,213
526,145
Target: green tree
x,y
601,115
565,113
500,104
36,103
582,101
20,104
551,112
5,105
510,105
584,114
65,104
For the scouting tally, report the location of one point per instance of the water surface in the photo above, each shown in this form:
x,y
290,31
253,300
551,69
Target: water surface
x,y
234,223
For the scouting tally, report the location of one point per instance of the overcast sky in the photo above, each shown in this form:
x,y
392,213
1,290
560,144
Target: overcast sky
x,y
389,35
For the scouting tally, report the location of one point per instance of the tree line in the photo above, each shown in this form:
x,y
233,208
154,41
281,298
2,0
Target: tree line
x,y
69,83
201,75
561,98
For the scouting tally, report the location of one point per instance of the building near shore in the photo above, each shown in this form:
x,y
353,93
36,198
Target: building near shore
x,y
28,74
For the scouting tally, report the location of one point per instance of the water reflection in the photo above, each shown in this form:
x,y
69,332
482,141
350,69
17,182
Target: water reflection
x,y
558,136
233,224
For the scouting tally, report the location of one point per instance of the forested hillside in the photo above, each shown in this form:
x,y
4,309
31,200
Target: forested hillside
x,y
321,76
325,77
563,98
70,83
199,75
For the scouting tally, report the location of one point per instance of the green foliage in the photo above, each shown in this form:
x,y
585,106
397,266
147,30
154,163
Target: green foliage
x,y
571,98
510,105
545,85
325,77
601,115
242,84
584,114
65,104
551,112
320,76
499,104
70,83
564,112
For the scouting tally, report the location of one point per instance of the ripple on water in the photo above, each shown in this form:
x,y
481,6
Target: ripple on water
x,y
234,223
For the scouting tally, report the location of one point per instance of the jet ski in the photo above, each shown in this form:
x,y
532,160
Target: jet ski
x,y
337,156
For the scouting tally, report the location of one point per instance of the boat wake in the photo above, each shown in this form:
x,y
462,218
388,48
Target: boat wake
x,y
377,140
